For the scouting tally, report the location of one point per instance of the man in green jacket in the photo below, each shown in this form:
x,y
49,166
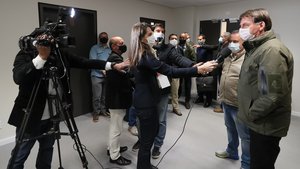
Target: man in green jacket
x,y
264,88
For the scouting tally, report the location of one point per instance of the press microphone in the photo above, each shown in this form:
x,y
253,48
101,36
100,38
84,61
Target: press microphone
x,y
225,52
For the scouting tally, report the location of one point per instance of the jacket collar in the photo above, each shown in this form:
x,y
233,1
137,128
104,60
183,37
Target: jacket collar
x,y
256,42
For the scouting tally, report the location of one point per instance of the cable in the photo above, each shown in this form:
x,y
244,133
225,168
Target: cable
x,y
183,129
86,150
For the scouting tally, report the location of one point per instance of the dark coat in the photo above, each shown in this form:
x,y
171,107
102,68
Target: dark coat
x,y
26,76
118,86
168,54
147,92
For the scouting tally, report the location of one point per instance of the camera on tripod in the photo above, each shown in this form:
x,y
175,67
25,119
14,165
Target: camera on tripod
x,y
51,34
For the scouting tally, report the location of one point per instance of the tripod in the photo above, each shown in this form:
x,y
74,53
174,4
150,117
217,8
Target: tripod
x,y
63,109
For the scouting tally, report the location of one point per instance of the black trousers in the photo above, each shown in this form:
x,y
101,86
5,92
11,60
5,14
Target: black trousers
x,y
148,120
264,150
187,88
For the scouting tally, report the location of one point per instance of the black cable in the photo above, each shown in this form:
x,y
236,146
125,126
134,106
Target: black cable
x,y
86,150
183,129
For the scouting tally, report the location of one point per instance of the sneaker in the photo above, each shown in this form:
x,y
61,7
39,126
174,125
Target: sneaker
x,y
133,130
225,154
136,146
155,153
218,109
95,117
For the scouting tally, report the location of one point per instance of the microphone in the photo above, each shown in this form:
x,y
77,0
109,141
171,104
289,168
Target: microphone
x,y
225,52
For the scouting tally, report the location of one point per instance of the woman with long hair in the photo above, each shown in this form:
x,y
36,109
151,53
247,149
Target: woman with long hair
x,y
146,68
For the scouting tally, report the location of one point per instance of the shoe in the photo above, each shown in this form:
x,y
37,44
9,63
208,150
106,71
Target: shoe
x,y
225,154
199,100
206,104
177,112
187,105
136,146
153,167
95,117
155,153
218,109
120,161
122,149
133,130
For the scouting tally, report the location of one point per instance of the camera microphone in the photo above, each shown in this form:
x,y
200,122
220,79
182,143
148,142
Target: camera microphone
x,y
225,52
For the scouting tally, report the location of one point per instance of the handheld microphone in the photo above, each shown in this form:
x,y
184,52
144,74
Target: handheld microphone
x,y
225,52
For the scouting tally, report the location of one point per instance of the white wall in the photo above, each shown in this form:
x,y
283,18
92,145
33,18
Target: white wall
x,y
21,17
284,15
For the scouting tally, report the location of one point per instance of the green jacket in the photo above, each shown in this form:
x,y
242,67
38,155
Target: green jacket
x,y
265,86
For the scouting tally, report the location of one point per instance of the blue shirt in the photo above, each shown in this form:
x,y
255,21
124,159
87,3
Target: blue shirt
x,y
99,52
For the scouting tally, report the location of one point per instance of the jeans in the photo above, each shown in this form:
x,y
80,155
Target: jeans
x,y
264,150
98,89
44,157
162,109
236,129
148,121
132,116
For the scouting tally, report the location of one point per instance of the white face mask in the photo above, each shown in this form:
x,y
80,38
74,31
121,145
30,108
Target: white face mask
x,y
151,40
245,34
173,42
234,47
159,36
188,40
221,40
201,42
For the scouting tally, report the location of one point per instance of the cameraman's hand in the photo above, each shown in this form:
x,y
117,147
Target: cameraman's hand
x,y
44,51
207,67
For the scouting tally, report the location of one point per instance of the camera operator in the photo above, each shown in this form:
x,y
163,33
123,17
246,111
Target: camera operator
x,y
31,68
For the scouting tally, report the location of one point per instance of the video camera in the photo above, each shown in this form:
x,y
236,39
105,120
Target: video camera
x,y
56,32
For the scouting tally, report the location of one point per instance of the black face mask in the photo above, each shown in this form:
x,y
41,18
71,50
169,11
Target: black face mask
x,y
182,42
123,48
103,40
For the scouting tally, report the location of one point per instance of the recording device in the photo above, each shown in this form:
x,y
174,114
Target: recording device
x,y
57,30
225,52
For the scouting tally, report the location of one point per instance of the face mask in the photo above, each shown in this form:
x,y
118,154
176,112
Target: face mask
x,y
159,36
103,40
182,42
201,42
188,40
151,40
245,34
123,48
173,42
234,47
220,40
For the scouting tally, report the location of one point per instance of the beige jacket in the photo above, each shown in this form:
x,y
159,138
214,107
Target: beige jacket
x,y
229,79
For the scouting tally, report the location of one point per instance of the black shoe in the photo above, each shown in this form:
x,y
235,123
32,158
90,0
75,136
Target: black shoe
x,y
177,112
155,153
122,149
120,161
153,167
187,105
136,146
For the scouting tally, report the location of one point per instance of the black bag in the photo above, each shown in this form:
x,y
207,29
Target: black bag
x,y
205,83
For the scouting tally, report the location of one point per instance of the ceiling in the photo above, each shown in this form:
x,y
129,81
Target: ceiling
x,y
187,3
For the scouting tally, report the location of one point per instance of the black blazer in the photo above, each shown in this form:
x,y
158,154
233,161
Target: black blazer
x,y
26,76
118,86
147,92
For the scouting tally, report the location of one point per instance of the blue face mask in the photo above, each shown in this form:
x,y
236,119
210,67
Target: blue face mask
x,y
234,47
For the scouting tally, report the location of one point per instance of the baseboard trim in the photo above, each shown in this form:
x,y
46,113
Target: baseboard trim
x,y
7,140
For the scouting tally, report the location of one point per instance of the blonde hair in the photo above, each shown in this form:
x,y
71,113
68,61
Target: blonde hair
x,y
137,47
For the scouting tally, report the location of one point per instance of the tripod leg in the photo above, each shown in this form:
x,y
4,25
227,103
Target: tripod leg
x,y
59,154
